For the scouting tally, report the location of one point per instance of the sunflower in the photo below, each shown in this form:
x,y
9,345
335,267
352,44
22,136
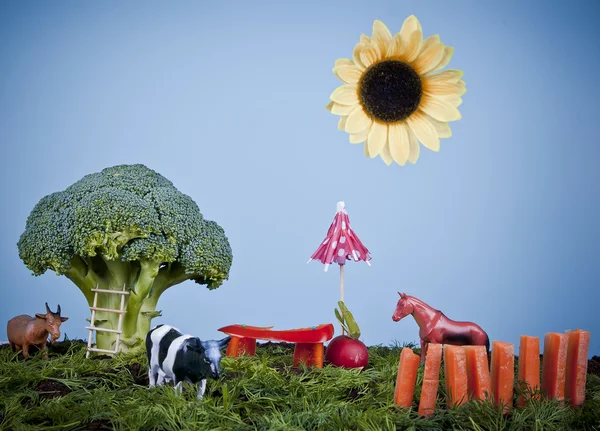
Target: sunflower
x,y
394,94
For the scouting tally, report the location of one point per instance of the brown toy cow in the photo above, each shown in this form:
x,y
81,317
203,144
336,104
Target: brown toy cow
x,y
24,331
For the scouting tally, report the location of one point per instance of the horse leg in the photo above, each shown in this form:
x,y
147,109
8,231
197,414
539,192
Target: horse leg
x,y
424,345
13,346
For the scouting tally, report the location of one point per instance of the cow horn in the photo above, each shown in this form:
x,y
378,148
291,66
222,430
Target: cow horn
x,y
58,309
48,308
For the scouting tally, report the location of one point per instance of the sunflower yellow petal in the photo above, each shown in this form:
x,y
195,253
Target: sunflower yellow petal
x,y
357,121
398,142
366,148
370,54
442,89
455,101
448,51
396,47
342,123
409,25
343,61
338,109
429,58
449,76
377,138
414,146
424,131
385,154
356,55
440,109
382,36
357,138
365,39
442,128
348,74
413,46
346,94
329,106
431,40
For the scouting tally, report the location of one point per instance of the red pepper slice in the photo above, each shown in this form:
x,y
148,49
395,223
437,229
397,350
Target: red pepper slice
x,y
315,334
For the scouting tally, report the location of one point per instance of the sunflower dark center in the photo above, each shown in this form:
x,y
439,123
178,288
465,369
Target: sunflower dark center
x,y
390,91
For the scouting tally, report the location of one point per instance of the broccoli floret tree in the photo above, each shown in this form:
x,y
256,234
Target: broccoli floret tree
x,y
125,226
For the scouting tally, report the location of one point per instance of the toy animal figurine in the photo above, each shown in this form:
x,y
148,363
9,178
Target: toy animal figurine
x,y
435,327
24,331
178,357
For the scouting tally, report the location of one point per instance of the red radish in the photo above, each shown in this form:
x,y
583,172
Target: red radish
x,y
347,351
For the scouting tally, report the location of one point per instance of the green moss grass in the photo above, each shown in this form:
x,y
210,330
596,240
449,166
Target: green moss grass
x,y
70,392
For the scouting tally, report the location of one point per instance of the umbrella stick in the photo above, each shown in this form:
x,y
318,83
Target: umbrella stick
x,y
342,283
342,289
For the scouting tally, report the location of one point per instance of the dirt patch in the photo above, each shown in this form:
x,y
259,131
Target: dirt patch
x,y
140,376
594,366
270,346
98,425
52,389
354,394
62,347
98,357
235,375
56,349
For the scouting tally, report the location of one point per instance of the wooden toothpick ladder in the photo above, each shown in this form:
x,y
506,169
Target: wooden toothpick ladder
x,y
92,327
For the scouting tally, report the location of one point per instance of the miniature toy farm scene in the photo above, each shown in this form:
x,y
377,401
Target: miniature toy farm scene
x,y
129,240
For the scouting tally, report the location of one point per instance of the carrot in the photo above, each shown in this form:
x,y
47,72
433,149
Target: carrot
x,y
455,371
577,361
554,365
529,365
309,353
239,346
233,346
503,374
407,377
431,380
478,372
247,346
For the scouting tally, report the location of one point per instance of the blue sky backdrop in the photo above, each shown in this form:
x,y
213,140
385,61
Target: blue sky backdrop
x,y
226,99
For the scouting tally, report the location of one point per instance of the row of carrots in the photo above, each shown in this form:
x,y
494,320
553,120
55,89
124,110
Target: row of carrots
x,y
468,377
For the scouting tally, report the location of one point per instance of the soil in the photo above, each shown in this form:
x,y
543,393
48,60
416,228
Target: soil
x,y
594,366
140,376
56,349
98,425
270,345
52,389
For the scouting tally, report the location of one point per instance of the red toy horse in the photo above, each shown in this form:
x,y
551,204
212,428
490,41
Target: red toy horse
x,y
436,328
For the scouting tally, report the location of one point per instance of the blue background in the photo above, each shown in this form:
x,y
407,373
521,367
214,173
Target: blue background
x,y
226,99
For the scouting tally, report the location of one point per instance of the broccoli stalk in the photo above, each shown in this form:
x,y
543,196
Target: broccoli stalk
x,y
126,226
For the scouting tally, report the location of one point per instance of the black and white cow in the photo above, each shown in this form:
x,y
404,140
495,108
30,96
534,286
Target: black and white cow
x,y
178,357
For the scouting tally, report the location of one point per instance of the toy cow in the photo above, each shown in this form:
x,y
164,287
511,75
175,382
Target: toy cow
x,y
24,331
178,357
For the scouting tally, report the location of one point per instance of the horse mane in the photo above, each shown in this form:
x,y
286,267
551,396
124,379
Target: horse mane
x,y
420,302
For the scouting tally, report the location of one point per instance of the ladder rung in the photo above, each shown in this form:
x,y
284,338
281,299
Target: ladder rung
x,y
93,349
120,292
94,328
107,309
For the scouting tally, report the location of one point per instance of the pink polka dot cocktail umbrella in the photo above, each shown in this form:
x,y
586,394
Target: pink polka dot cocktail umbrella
x,y
341,244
